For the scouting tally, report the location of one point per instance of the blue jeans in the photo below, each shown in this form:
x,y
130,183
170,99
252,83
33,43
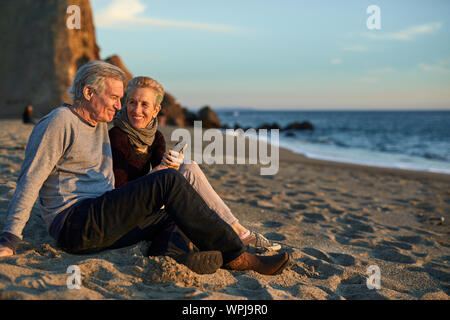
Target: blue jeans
x,y
110,221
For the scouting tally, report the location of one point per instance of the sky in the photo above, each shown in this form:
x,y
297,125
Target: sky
x,y
285,55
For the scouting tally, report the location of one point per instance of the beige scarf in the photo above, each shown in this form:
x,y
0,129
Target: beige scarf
x,y
139,138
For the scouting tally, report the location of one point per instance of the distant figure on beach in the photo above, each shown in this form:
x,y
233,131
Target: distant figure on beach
x,y
27,115
68,166
138,147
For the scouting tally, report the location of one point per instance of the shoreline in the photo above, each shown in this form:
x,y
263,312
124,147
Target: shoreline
x,y
418,151
289,156
374,169
349,162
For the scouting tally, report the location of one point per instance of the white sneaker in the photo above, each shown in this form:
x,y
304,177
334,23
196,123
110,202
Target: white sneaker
x,y
260,243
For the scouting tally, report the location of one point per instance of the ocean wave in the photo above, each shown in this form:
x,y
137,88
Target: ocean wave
x,y
432,156
417,140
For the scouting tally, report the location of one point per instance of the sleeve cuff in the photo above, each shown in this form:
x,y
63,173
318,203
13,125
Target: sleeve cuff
x,y
9,240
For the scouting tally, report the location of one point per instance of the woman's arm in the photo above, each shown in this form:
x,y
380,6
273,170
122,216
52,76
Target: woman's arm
x,y
158,149
119,148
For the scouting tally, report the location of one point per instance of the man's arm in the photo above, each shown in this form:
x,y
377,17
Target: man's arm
x,y
45,147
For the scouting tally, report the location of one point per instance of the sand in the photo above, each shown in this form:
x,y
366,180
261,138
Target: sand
x,y
335,219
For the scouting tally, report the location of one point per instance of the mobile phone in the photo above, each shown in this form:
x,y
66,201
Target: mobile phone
x,y
180,147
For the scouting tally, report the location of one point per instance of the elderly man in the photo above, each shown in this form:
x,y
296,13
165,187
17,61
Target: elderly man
x,y
68,166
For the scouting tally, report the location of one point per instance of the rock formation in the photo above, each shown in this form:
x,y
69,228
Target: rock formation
x,y
40,54
172,113
117,61
208,117
305,125
269,126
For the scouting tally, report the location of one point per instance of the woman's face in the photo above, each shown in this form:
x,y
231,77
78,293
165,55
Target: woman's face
x,y
141,107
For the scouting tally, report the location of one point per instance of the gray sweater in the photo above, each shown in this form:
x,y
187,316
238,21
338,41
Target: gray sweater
x,y
66,160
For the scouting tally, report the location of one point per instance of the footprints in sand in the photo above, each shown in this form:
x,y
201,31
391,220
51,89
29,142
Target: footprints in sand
x,y
274,225
298,202
275,236
340,259
262,204
342,229
313,218
391,254
415,240
343,259
298,206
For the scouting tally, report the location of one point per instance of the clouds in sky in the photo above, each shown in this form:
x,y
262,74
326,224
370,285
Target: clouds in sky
x,y
441,66
336,61
355,48
382,70
368,79
301,44
121,14
409,33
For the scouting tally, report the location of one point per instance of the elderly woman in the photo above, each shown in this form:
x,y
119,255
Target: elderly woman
x,y
139,148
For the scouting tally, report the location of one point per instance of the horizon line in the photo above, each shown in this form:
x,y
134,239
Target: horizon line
x,y
320,110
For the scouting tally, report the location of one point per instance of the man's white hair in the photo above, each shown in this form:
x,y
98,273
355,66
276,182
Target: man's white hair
x,y
93,75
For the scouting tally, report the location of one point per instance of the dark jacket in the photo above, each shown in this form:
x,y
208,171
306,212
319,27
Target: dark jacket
x,y
129,165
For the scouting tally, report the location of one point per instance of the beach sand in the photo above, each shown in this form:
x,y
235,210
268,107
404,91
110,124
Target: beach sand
x,y
335,219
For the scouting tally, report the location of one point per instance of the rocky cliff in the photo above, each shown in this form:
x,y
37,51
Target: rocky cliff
x,y
40,55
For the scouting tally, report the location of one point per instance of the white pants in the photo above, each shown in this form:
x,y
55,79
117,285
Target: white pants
x,y
198,180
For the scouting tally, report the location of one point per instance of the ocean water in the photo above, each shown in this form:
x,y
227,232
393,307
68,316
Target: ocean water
x,y
416,140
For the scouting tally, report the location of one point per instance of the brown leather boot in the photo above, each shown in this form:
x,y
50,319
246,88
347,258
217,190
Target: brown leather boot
x,y
269,265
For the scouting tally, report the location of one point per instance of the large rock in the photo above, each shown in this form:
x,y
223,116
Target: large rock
x,y
208,117
40,55
305,125
117,61
269,126
189,117
172,112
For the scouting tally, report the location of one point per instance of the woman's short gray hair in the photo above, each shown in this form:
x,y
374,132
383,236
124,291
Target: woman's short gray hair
x,y
93,75
146,82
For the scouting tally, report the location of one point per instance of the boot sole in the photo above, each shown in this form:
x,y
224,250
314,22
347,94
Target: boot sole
x,y
284,265
204,262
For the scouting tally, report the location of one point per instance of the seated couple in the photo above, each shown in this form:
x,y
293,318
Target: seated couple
x,y
91,203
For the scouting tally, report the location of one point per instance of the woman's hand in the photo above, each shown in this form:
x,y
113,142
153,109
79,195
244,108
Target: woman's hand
x,y
172,159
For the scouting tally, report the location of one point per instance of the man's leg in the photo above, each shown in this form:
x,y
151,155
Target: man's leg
x,y
165,236
253,240
98,223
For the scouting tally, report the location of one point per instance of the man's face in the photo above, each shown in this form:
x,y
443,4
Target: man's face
x,y
103,105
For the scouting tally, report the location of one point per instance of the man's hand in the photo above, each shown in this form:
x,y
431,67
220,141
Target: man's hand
x,y
172,159
5,251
